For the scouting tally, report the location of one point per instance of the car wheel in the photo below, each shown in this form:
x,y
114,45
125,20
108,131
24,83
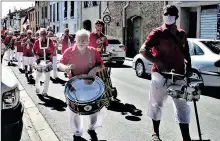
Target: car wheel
x,y
120,63
139,68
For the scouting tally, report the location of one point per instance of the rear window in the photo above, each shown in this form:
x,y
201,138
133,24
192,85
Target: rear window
x,y
214,46
113,41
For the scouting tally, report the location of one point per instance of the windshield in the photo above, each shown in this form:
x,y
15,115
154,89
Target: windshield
x,y
113,41
214,46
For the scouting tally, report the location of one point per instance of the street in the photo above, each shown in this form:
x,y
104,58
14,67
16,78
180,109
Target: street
x,y
119,127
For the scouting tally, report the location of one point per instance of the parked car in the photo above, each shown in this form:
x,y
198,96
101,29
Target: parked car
x,y
205,58
118,50
12,109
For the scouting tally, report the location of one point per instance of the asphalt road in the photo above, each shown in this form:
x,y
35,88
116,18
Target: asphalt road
x,y
119,127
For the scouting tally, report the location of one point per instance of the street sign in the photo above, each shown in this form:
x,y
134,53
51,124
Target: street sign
x,y
107,19
107,11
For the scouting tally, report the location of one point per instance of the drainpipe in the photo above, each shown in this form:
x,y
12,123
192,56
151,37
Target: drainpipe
x,y
100,10
123,21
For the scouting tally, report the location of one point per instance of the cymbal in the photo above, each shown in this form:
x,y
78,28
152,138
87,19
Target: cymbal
x,y
172,73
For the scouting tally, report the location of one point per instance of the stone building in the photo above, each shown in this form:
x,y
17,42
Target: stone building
x,y
32,19
132,22
41,15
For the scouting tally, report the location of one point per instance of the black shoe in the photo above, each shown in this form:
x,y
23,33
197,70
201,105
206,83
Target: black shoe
x,y
21,70
93,135
78,138
9,64
65,74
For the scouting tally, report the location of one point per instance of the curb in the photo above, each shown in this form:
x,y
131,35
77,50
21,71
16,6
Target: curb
x,y
37,127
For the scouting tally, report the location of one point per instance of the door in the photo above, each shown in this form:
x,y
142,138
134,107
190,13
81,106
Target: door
x,y
136,35
192,24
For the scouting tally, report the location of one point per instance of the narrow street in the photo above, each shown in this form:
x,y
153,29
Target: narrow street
x,y
119,127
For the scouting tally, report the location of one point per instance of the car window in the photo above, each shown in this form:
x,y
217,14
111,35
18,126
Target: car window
x,y
113,41
191,48
197,50
214,46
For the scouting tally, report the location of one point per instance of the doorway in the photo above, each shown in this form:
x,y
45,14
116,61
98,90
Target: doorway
x,y
87,25
192,24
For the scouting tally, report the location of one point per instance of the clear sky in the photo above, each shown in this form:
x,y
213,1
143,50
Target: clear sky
x,y
10,5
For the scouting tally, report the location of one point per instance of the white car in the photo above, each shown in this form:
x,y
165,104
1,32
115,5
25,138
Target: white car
x,y
118,50
12,109
205,58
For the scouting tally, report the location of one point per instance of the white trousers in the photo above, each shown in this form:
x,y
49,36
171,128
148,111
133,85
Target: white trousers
x,y
20,60
76,122
54,66
28,60
15,53
158,96
46,80
10,54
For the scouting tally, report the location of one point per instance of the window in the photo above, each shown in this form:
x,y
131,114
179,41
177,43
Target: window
x,y
94,3
86,4
114,41
50,13
53,12
72,9
198,50
191,49
57,28
65,9
36,17
65,25
53,27
45,12
42,12
214,46
57,11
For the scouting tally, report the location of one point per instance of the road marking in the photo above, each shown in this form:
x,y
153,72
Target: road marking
x,y
37,127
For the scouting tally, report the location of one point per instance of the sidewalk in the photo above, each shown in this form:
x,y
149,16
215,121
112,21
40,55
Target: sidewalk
x,y
35,126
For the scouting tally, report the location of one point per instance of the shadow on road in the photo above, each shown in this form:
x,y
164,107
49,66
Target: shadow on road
x,y
213,92
54,103
58,81
146,76
125,109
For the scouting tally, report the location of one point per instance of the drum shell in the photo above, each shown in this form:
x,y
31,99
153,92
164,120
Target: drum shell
x,y
46,68
85,108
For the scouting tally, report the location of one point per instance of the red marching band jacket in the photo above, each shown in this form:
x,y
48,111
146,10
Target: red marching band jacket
x,y
27,51
18,44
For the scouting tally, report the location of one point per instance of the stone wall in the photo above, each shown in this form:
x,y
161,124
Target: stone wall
x,y
149,11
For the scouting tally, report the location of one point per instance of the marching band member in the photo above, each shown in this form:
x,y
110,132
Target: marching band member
x,y
15,53
9,44
75,60
42,42
28,56
20,51
50,34
66,40
167,47
98,39
37,35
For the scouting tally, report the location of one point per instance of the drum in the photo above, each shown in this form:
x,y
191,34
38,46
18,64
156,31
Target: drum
x,y
44,66
184,92
85,95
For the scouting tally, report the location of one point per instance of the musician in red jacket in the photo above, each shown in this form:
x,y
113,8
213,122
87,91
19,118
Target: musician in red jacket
x,y
20,51
28,56
37,35
9,44
54,55
43,42
67,40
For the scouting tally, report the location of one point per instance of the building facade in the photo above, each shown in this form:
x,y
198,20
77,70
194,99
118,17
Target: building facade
x,y
32,19
63,14
41,13
89,12
198,19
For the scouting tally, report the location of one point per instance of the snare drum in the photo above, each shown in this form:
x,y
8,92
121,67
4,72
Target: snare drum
x,y
184,92
85,98
44,66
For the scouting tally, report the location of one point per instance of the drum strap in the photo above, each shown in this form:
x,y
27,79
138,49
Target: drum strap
x,y
90,59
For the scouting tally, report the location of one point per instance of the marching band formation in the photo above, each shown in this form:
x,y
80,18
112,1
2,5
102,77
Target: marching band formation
x,y
166,46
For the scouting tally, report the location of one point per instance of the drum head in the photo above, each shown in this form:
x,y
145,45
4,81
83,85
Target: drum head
x,y
77,90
